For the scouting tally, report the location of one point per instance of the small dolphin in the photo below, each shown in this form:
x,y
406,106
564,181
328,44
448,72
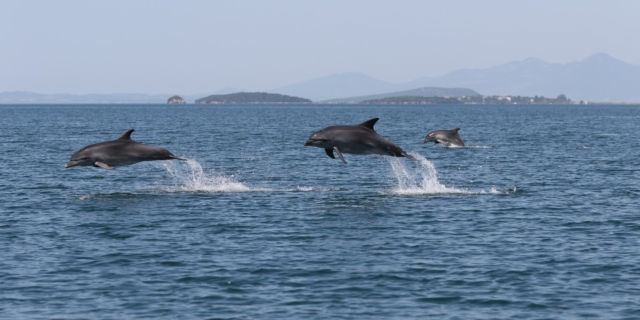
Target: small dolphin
x,y
446,137
360,139
120,152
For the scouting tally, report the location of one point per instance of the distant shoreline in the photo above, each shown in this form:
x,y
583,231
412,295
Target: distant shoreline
x,y
422,96
317,103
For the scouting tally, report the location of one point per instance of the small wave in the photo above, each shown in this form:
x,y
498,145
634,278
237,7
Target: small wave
x,y
494,190
192,178
115,196
455,146
313,189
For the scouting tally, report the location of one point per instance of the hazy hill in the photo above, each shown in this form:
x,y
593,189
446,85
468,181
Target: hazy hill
x,y
420,92
337,86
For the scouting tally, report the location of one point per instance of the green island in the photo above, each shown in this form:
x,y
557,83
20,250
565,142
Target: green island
x,y
250,98
476,99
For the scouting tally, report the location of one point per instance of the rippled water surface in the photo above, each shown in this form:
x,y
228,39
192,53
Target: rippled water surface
x,y
538,217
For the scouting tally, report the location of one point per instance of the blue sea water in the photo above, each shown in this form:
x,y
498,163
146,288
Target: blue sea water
x,y
537,218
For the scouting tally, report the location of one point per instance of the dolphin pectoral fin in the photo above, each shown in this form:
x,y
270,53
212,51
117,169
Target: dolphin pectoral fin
x,y
340,154
330,153
103,165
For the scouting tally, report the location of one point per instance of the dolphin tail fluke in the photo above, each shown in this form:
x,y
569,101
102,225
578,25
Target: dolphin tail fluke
x,y
408,156
340,154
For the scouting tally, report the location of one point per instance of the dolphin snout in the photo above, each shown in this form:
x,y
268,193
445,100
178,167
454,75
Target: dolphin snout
x,y
308,142
70,164
429,139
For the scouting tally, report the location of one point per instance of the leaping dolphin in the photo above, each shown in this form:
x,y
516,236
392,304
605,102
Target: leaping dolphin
x,y
120,152
446,137
359,139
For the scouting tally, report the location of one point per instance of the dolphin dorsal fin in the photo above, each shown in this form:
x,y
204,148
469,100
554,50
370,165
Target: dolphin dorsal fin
x,y
455,130
126,135
369,123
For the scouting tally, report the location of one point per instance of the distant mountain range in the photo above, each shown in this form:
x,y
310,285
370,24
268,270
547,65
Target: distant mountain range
x,y
420,92
599,77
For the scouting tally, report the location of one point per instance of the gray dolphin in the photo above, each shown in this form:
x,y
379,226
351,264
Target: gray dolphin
x,y
120,152
360,139
446,137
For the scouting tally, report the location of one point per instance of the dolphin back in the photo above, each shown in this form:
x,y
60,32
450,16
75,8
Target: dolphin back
x,y
145,152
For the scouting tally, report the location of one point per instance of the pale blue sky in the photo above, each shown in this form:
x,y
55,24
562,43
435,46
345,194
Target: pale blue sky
x,y
189,47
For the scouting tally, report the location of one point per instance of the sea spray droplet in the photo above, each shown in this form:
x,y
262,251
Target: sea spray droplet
x,y
192,178
423,180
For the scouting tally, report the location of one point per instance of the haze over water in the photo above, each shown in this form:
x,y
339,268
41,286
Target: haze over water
x,y
536,218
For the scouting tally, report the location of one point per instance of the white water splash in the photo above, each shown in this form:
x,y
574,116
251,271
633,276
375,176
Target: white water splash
x,y
422,180
192,178
189,176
